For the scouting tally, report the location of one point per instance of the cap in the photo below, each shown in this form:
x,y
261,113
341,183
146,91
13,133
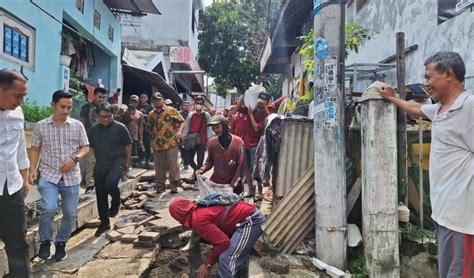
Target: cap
x,y
264,96
168,101
199,100
134,97
157,95
219,119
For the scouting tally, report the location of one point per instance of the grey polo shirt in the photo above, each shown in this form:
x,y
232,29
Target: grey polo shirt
x,y
452,164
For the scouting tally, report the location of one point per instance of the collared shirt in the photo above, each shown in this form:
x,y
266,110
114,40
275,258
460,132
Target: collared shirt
x,y
164,125
452,164
58,143
13,156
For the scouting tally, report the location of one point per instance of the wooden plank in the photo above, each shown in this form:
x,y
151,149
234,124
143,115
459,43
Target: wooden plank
x,y
354,195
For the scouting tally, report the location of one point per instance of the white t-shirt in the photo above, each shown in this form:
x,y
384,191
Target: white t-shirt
x,y
452,164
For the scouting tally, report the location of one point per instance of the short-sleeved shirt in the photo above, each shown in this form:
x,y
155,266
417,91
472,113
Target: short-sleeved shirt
x,y
58,143
249,136
164,125
88,115
109,143
452,164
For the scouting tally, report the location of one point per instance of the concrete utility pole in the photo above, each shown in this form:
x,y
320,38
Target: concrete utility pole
x,y
329,138
402,121
379,184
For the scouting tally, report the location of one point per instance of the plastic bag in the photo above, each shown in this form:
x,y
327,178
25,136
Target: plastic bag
x,y
206,187
251,95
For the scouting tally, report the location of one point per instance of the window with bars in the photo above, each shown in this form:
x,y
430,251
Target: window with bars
x,y
15,43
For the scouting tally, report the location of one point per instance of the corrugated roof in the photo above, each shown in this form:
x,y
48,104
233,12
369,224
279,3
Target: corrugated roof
x,y
155,80
140,7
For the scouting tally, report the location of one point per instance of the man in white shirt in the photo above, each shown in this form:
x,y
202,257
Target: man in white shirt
x,y
451,160
14,166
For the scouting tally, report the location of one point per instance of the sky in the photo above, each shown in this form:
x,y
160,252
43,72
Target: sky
x,y
207,2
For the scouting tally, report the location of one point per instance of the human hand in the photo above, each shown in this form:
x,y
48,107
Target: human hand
x,y
26,189
140,144
387,92
33,176
67,166
179,135
203,272
199,172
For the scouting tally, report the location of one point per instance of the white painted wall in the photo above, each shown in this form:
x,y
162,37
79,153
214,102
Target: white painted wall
x,y
171,28
418,19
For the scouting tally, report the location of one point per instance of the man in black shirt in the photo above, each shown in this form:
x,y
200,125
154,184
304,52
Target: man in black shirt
x,y
88,117
112,145
145,108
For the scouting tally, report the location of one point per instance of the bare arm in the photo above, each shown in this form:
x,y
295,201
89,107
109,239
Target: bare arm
x,y
26,187
34,159
128,155
410,107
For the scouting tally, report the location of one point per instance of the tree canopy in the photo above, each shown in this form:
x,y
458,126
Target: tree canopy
x,y
231,41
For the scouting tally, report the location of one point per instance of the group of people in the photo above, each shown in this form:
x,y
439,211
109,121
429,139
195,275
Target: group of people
x,y
59,143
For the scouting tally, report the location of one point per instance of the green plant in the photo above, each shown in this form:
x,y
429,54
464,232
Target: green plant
x,y
34,112
66,38
357,267
414,233
355,34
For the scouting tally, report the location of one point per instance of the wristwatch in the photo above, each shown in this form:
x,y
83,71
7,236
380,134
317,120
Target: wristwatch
x,y
75,158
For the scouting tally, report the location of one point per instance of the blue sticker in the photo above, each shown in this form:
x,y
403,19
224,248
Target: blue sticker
x,y
321,48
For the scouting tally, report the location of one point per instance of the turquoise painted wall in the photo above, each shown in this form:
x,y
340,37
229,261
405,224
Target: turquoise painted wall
x,y
46,77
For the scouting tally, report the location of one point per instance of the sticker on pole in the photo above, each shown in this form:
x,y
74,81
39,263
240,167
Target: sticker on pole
x,y
321,48
330,112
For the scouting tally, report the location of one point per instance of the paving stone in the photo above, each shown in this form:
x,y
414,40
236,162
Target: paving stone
x,y
278,266
144,244
120,250
94,223
139,229
126,230
170,241
142,197
113,235
130,267
128,238
148,236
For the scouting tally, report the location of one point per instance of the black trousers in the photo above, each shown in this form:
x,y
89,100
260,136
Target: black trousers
x,y
106,183
13,233
145,155
200,150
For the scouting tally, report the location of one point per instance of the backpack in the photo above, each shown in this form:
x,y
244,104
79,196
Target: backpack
x,y
229,200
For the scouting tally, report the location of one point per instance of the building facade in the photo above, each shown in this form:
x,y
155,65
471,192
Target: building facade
x,y
34,34
432,25
171,35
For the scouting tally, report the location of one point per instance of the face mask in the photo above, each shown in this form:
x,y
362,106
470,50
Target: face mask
x,y
198,107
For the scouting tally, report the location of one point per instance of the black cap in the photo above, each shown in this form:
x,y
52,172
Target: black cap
x,y
157,95
199,100
265,96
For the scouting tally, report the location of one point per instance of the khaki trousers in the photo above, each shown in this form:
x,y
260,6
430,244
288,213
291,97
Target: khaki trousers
x,y
166,161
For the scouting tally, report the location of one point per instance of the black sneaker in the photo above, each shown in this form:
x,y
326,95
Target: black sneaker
x,y
174,190
159,190
44,251
102,229
60,253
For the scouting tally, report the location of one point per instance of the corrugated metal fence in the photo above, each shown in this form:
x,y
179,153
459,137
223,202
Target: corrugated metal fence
x,y
296,153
